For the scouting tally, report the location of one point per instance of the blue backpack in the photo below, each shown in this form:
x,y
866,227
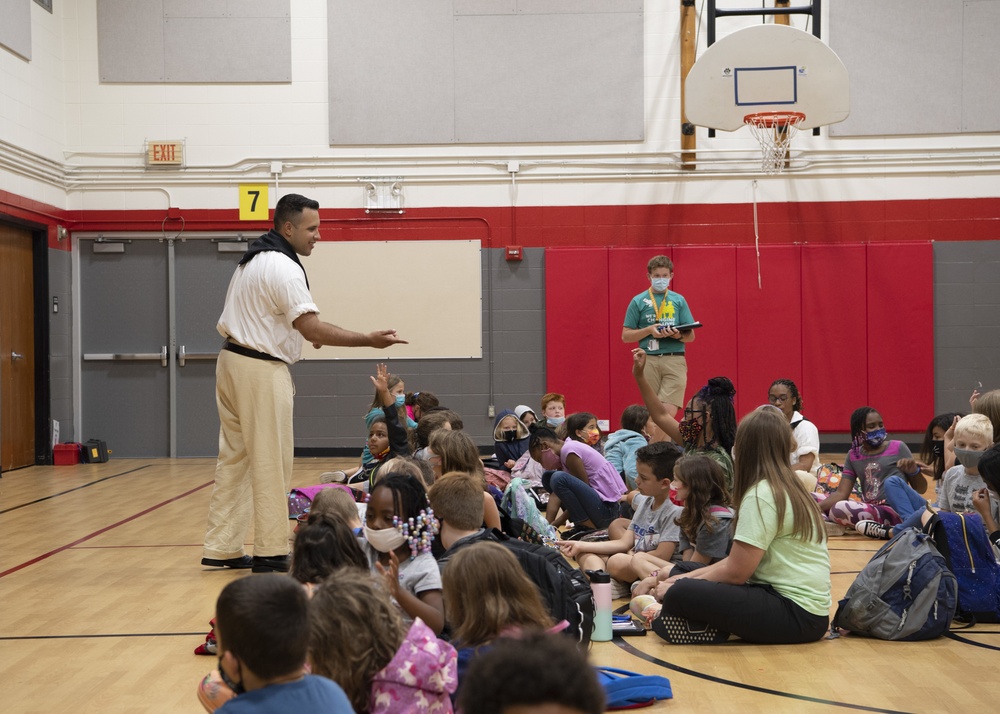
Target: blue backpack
x,y
962,539
631,690
905,592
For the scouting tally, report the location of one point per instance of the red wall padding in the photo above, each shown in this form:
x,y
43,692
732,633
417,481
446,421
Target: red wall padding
x,y
901,333
769,322
576,328
834,327
841,321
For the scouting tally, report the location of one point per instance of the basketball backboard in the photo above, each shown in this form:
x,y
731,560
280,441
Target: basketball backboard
x,y
766,68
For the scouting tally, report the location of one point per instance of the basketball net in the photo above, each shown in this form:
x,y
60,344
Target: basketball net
x,y
774,131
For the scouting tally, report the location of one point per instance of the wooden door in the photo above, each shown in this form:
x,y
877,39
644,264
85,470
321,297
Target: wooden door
x,y
17,350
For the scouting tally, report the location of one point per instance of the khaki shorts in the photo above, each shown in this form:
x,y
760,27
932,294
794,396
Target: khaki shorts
x,y
668,375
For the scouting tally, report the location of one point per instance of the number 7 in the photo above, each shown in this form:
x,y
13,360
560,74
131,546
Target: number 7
x,y
253,205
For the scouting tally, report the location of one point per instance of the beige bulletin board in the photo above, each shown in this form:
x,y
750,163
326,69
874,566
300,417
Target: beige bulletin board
x,y
430,292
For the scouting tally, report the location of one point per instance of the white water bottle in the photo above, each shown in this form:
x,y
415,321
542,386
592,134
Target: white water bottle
x,y
600,583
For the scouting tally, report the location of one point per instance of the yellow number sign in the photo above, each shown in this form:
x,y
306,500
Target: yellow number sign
x,y
253,202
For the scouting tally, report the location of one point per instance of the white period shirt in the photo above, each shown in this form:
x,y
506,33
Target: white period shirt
x,y
264,298
807,437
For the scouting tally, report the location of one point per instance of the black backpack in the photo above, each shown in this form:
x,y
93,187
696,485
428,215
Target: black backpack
x,y
564,589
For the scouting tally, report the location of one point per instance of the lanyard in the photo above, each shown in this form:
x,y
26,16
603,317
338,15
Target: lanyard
x,y
665,309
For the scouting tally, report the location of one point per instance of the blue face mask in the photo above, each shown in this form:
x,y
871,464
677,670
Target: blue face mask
x,y
875,437
400,400
660,285
555,421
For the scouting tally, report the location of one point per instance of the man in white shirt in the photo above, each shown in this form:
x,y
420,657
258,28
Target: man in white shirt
x,y
268,313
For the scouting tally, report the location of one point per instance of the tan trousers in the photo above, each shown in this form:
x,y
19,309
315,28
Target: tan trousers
x,y
667,375
254,470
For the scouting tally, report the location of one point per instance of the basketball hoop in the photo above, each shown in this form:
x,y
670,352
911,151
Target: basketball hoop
x,y
774,131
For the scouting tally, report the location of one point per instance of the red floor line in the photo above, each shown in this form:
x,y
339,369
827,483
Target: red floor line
x,y
60,549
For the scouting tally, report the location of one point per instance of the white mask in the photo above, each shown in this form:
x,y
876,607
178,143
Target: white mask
x,y
660,285
385,540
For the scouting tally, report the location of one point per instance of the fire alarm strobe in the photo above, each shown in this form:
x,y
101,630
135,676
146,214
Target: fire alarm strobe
x,y
515,252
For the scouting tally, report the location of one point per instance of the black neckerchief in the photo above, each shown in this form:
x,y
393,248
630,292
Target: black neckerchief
x,y
272,240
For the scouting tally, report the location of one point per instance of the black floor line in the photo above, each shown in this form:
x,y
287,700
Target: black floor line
x,y
109,634
966,641
63,493
855,550
763,690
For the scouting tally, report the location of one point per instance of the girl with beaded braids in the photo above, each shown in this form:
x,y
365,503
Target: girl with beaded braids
x,y
709,424
784,395
399,528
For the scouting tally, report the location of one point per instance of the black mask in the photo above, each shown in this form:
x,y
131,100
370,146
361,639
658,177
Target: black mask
x,y
937,447
509,434
237,687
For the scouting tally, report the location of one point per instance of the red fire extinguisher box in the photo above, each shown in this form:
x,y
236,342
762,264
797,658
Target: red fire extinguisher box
x,y
66,454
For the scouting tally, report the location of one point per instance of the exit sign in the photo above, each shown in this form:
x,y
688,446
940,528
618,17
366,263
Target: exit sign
x,y
164,153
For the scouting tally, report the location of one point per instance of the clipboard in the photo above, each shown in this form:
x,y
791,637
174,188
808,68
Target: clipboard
x,y
688,326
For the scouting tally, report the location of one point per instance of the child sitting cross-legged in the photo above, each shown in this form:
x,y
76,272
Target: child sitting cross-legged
x,y
262,625
973,435
651,539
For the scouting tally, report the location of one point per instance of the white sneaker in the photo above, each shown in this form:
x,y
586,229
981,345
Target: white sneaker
x,y
620,590
834,529
333,477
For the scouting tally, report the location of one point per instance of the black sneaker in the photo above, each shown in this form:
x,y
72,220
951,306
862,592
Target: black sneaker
x,y
872,529
270,564
244,561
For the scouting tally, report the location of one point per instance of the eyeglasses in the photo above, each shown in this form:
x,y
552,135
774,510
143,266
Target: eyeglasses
x,y
689,412
779,397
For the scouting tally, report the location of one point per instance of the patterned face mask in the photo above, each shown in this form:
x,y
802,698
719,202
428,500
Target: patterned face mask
x,y
690,430
875,437
592,437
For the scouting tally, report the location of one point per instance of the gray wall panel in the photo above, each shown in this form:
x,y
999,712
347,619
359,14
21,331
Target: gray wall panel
x,y
15,27
558,77
917,66
130,41
194,41
966,317
61,343
391,72
443,72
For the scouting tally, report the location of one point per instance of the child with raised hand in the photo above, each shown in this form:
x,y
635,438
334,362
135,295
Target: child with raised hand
x,y
488,596
358,640
888,474
397,389
263,630
583,481
774,586
934,460
709,423
399,529
386,436
973,435
650,542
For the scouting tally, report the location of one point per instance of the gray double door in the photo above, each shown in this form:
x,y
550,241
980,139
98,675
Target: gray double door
x,y
149,345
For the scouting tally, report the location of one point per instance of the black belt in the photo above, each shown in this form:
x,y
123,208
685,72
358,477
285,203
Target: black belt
x,y
247,352
668,354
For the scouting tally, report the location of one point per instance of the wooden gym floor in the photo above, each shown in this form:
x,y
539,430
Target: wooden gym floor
x,y
103,600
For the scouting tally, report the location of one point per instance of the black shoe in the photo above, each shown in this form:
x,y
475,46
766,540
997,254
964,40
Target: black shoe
x,y
270,564
244,561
